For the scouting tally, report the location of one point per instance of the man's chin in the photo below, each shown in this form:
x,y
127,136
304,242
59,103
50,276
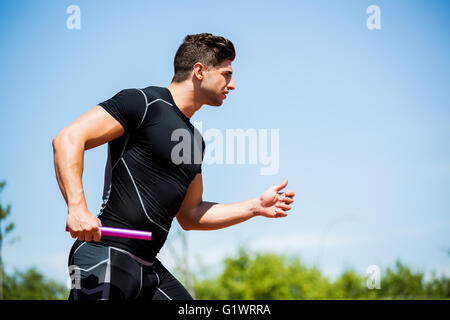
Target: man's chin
x,y
216,103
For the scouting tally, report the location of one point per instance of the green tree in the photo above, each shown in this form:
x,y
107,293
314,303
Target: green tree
x,y
4,213
32,285
23,285
351,285
263,275
400,282
438,287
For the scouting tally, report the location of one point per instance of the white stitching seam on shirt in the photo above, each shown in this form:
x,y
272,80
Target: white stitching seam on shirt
x,y
140,199
147,104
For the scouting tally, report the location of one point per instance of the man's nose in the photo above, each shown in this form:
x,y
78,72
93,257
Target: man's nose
x,y
231,85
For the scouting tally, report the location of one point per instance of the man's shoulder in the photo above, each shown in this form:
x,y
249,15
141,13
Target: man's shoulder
x,y
155,92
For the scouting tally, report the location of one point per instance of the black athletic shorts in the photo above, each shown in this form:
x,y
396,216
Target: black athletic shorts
x,y
101,272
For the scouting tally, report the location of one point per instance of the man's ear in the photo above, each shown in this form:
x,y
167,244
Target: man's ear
x,y
199,70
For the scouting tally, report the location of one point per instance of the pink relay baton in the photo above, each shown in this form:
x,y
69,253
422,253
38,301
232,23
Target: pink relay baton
x,y
124,233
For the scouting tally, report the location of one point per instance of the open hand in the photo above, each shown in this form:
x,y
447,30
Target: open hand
x,y
274,203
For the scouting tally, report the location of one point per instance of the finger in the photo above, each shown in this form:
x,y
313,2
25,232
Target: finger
x,y
280,213
289,193
288,200
97,235
81,236
88,235
283,196
73,234
283,206
282,185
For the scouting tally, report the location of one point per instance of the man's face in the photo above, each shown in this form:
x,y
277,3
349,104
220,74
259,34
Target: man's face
x,y
217,83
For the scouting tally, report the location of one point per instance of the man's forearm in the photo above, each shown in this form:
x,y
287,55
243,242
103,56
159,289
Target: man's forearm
x,y
213,216
68,161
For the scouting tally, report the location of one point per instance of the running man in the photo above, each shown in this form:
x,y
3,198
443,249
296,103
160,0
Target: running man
x,y
145,188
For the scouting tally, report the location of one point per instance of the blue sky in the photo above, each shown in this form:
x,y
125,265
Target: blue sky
x,y
363,117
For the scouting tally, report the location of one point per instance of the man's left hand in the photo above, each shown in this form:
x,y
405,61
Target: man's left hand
x,y
273,203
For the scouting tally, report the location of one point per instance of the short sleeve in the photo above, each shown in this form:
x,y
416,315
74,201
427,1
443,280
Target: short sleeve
x,y
127,107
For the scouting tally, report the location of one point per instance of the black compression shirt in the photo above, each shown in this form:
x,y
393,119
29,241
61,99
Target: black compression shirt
x,y
144,186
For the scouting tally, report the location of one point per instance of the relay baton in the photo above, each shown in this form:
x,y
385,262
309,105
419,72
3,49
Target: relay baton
x,y
124,233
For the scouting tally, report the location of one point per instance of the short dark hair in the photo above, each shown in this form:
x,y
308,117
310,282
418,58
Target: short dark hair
x,y
204,48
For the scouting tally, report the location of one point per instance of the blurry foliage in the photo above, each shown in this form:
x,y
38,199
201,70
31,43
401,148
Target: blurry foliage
x,y
32,285
261,275
264,275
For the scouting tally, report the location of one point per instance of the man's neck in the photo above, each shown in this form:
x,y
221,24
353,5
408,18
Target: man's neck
x,y
184,98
